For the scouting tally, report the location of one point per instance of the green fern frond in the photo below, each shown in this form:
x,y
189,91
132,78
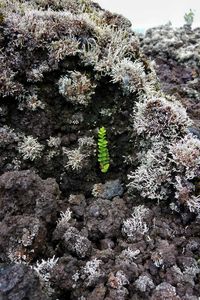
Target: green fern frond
x,y
103,154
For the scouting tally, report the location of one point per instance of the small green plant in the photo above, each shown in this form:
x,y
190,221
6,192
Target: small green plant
x,y
189,18
103,154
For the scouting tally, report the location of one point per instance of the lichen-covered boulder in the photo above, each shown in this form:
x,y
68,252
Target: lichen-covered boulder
x,y
69,68
176,56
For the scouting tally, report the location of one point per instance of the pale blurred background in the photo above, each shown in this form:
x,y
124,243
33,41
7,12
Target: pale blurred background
x,y
149,13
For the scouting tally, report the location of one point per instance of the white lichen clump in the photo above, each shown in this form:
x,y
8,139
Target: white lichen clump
x,y
54,142
92,270
129,254
130,74
63,48
152,176
31,102
76,88
18,256
136,223
193,204
167,161
44,267
89,273
160,118
63,221
144,282
86,142
76,159
30,148
186,155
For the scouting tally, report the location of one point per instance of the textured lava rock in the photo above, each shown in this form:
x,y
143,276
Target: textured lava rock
x,y
18,282
176,56
22,238
26,193
68,68
104,217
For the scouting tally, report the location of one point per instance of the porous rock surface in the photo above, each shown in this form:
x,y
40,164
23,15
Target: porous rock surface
x,y
19,282
68,231
176,53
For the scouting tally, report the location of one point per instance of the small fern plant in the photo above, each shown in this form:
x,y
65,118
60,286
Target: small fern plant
x,y
103,154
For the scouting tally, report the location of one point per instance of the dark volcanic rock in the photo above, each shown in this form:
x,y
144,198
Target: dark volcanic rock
x,y
19,282
104,217
24,192
177,62
22,237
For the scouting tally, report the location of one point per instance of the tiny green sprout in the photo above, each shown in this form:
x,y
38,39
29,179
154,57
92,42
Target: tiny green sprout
x,y
189,18
103,154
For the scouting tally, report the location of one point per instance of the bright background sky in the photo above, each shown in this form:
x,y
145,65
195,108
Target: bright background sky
x,y
148,13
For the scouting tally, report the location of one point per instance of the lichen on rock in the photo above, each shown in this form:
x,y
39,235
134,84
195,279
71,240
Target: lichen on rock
x,y
69,68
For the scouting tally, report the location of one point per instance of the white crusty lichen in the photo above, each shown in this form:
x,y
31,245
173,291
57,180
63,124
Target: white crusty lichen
x,y
153,175
121,278
63,221
43,270
76,88
79,244
91,269
136,223
7,136
161,118
193,204
130,254
54,145
86,142
157,258
44,267
130,74
118,281
36,73
89,273
60,49
29,234
30,148
112,46
186,155
90,53
54,142
120,43
167,167
30,102
188,274
144,282
18,256
76,159
21,253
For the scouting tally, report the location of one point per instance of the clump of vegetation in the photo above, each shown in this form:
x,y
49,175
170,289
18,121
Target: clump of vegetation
x,y
76,88
103,154
189,18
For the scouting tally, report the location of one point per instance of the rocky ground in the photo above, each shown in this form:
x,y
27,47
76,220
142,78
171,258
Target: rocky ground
x,y
67,230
